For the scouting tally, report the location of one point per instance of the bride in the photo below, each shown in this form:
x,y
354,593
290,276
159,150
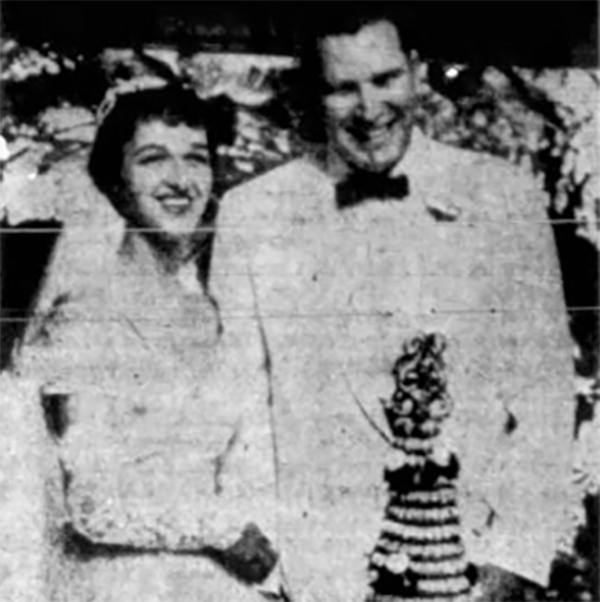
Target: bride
x,y
148,446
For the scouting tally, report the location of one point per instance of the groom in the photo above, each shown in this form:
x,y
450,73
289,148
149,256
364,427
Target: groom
x,y
349,252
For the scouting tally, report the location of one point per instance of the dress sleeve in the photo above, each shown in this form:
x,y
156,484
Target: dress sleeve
x,y
153,491
163,485
156,499
28,472
169,495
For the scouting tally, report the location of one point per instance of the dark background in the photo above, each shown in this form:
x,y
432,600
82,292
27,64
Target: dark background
x,y
534,33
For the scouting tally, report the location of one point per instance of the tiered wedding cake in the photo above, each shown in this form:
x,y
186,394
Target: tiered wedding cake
x,y
420,553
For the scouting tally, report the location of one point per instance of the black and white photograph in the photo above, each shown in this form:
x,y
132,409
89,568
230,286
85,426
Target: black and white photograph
x,y
299,301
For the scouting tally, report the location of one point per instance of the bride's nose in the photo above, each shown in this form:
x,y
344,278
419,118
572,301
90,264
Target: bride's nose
x,y
177,173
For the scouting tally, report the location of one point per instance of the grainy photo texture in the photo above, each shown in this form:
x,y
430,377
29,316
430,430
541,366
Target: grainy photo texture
x,y
299,301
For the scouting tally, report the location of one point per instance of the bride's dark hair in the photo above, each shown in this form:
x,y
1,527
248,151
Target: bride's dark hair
x,y
173,105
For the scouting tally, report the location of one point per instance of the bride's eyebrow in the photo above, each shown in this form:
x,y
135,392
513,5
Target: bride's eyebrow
x,y
153,147
148,148
201,146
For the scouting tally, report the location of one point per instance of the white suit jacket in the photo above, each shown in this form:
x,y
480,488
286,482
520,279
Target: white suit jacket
x,y
338,291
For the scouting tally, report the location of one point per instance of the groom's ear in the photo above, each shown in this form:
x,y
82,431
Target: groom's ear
x,y
418,69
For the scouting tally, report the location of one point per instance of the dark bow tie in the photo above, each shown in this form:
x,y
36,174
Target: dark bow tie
x,y
362,186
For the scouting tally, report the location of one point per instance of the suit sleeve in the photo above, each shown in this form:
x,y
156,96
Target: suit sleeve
x,y
528,485
251,472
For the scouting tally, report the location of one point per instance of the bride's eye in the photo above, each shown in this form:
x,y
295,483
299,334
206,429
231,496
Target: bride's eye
x,y
150,159
197,158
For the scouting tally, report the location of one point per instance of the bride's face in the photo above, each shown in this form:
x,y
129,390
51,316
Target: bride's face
x,y
168,178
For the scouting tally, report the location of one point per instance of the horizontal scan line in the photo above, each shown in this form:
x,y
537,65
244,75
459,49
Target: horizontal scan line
x,y
377,312
315,316
256,226
397,280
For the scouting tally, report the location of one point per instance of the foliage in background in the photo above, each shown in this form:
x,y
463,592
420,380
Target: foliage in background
x,y
545,119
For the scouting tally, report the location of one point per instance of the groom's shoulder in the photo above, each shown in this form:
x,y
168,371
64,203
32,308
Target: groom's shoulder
x,y
288,182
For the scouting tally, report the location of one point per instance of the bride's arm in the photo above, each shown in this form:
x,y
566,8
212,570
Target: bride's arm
x,y
29,476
